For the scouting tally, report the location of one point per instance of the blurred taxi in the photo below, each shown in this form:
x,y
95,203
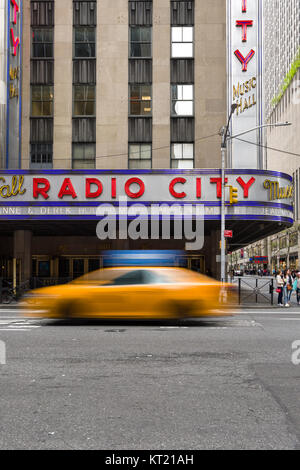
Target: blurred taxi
x,y
134,293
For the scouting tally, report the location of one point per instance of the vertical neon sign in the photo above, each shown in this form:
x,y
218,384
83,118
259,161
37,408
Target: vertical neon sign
x,y
244,40
14,71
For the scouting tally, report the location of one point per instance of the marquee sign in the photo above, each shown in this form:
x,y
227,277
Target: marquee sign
x,y
14,57
245,80
56,194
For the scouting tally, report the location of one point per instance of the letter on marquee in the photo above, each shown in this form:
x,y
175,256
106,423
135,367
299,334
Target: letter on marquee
x,y
218,182
246,186
172,190
198,189
113,188
244,6
244,60
134,181
42,191
88,193
67,189
244,24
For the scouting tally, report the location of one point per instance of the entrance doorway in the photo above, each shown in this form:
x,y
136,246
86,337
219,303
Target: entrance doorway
x,y
192,262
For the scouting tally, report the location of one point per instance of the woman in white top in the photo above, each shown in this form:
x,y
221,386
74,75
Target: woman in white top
x,y
280,284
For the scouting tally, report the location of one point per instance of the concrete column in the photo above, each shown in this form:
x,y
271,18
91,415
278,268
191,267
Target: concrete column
x,y
56,267
22,252
161,107
210,80
63,92
86,265
211,257
112,84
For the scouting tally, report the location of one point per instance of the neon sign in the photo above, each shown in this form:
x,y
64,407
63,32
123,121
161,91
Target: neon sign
x,y
15,40
244,24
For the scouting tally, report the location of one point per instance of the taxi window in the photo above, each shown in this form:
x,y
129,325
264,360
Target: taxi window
x,y
138,277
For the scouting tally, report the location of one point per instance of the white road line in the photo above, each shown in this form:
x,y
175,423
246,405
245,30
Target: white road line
x,y
290,319
13,329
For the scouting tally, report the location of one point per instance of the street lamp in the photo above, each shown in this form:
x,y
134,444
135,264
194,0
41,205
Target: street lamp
x,y
225,138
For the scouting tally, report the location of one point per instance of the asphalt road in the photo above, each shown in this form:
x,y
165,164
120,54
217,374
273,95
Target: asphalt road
x,y
223,384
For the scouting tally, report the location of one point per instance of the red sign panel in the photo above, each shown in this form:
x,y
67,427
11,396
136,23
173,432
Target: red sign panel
x,y
228,234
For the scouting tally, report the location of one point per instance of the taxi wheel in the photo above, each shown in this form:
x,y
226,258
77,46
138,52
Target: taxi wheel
x,y
179,311
67,310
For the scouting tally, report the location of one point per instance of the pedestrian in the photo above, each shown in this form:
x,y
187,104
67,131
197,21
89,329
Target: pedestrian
x,y
298,288
279,290
289,285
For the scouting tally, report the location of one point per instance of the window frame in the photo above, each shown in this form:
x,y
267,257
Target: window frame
x,y
91,28
183,42
182,159
139,100
83,159
84,85
42,43
41,101
130,42
49,152
130,160
173,115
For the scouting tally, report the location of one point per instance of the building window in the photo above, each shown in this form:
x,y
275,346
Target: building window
x,y
41,101
293,239
84,100
41,154
139,156
85,39
140,100
182,100
282,243
42,43
182,42
140,41
182,156
84,155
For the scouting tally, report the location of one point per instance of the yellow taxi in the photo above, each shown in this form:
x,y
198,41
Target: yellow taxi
x,y
134,293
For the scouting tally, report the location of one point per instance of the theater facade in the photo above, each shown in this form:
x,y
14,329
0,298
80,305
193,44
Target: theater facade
x,y
48,219
121,105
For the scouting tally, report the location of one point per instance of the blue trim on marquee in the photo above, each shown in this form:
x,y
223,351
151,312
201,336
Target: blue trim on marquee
x,y
274,205
262,218
194,172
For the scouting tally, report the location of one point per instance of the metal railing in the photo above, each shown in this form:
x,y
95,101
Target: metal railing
x,y
255,290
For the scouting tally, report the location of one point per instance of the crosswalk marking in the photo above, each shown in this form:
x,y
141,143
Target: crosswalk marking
x,y
13,324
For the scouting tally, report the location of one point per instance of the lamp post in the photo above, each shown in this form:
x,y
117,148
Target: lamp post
x,y
223,156
225,138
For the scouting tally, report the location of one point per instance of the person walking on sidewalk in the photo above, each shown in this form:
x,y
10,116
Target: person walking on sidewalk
x,y
289,284
287,287
280,285
298,288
